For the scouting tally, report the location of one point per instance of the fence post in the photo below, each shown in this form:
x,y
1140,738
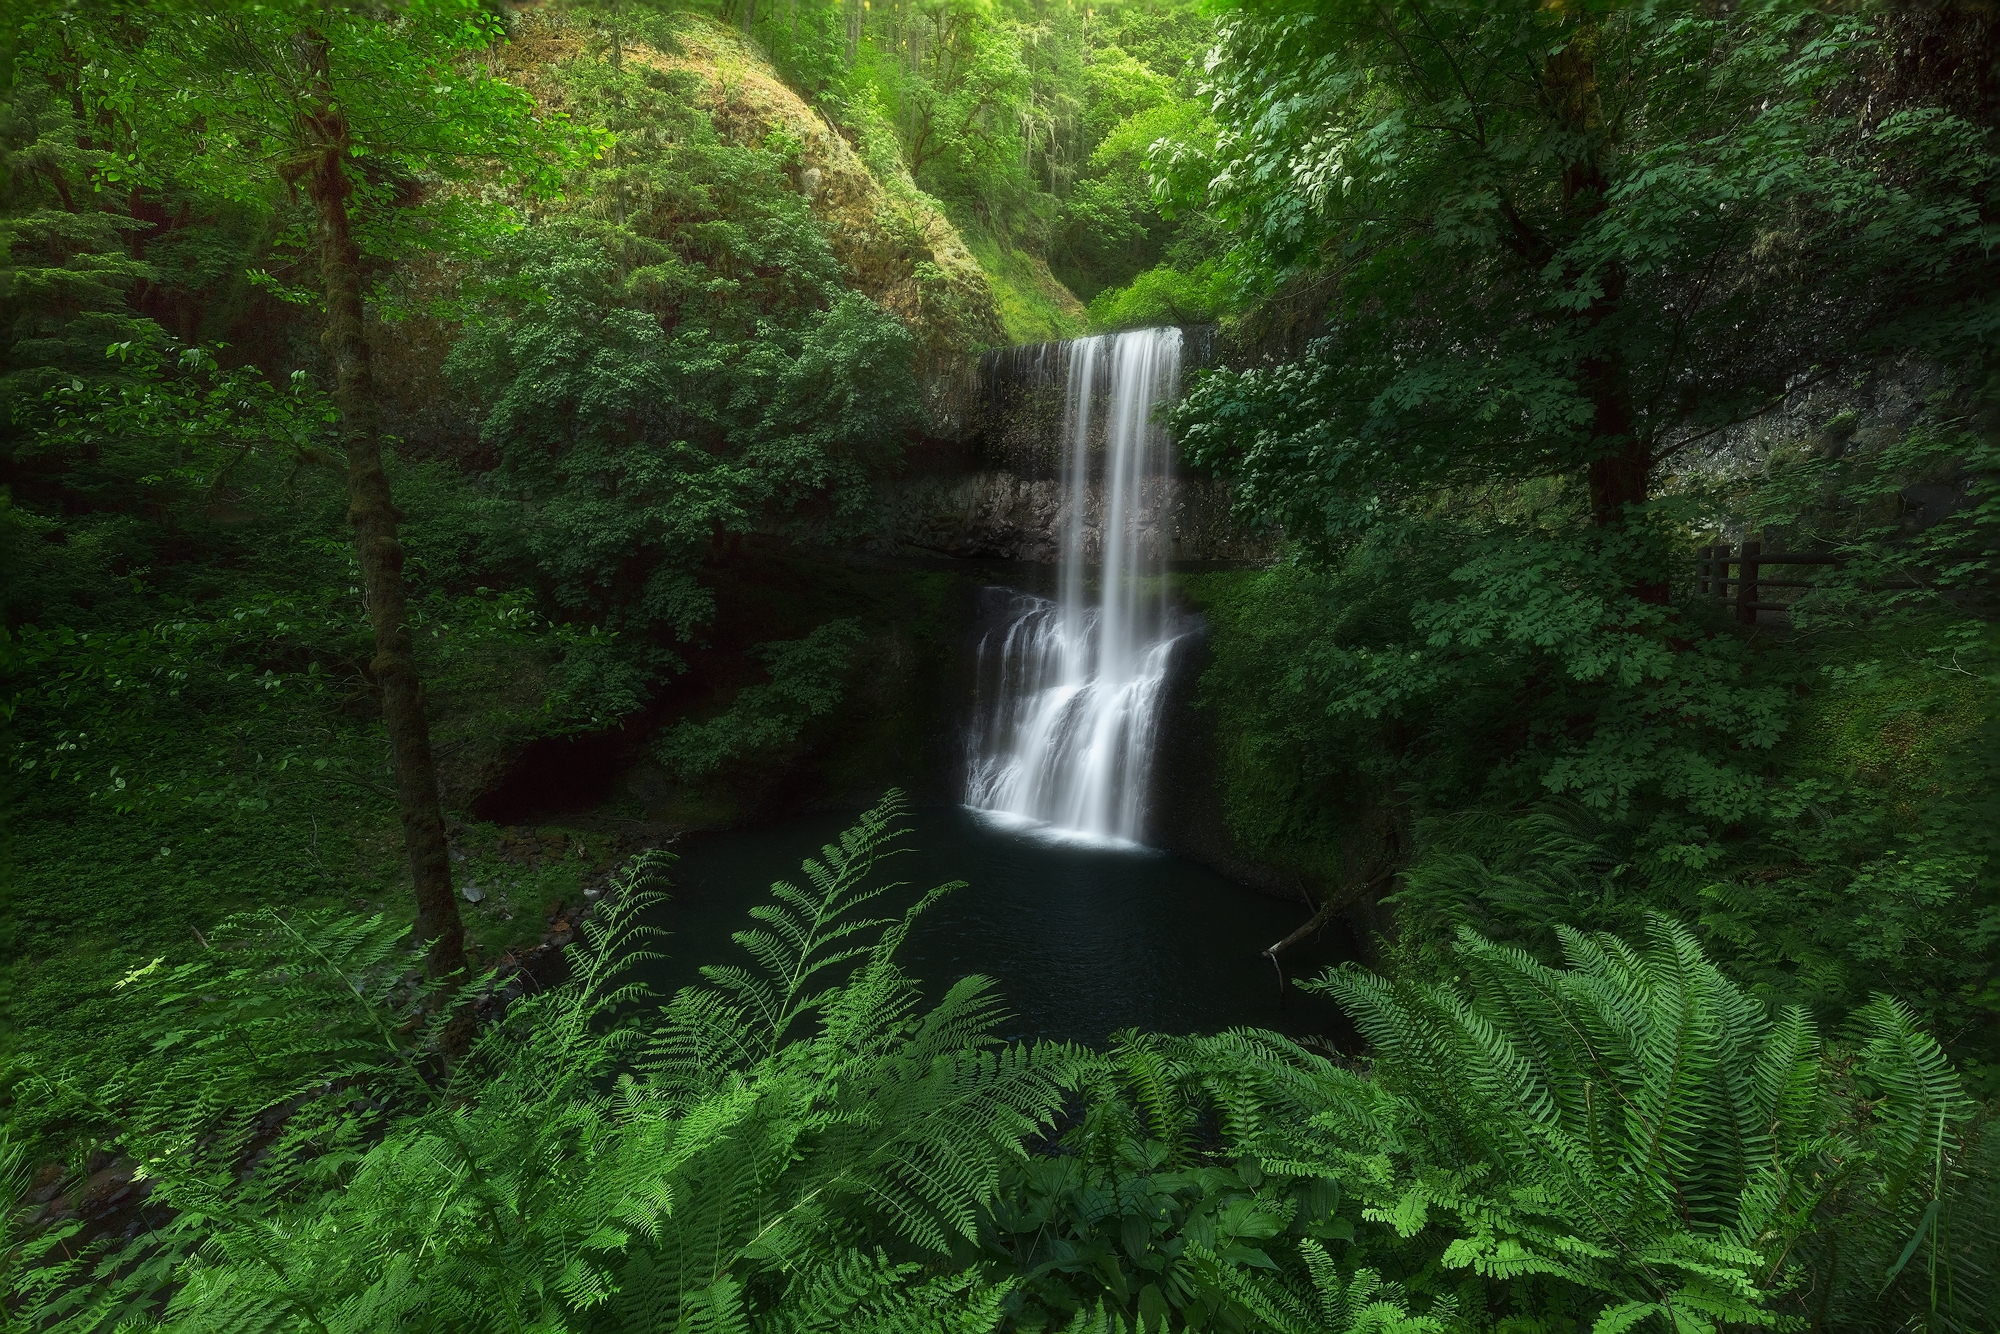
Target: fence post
x,y
1746,584
1719,567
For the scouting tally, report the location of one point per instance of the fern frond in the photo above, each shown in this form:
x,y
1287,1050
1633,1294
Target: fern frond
x,y
1648,1117
1145,1070
1925,1099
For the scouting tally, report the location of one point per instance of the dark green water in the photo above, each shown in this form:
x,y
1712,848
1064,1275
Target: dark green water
x,y
1083,940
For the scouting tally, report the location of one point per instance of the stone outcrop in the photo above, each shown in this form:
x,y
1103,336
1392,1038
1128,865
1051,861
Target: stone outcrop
x,y
998,514
994,489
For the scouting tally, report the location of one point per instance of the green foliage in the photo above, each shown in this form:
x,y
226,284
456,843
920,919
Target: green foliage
x,y
68,269
800,1145
1174,1183
1535,614
1632,1164
1551,748
1632,1142
177,447
808,680
413,98
1522,272
1033,306
549,1180
1162,295
89,256
190,713
674,365
1625,224
118,469
1119,222
1508,664
1538,239
1030,122
949,109
1637,1129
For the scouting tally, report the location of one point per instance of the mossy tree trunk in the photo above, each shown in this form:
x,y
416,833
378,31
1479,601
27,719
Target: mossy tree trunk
x,y
372,512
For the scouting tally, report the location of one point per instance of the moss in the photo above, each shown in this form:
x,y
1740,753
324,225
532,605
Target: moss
x,y
1895,728
1271,779
895,241
1034,305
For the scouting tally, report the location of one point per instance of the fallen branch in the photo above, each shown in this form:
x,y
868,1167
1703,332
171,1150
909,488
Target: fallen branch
x,y
1334,903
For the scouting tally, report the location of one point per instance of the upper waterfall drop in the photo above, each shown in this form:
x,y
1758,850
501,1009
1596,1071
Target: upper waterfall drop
x,y
1070,691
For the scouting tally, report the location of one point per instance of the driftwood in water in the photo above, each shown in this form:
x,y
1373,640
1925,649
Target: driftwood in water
x,y
1334,903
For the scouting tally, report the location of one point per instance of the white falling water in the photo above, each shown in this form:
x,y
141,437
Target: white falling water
x,y
1071,690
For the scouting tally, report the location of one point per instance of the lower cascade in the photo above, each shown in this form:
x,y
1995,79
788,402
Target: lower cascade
x,y
1070,690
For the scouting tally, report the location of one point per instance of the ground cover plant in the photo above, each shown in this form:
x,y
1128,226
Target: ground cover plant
x,y
800,1144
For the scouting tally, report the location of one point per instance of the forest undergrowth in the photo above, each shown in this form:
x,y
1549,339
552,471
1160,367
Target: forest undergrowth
x,y
799,1143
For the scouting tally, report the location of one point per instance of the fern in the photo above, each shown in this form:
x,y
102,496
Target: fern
x,y
806,934
887,1121
1911,1230
801,1145
1319,1301
584,1166
1637,1131
41,1270
1186,1149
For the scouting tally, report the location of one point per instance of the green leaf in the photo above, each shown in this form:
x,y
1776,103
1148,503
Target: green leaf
x,y
1618,1319
1910,1248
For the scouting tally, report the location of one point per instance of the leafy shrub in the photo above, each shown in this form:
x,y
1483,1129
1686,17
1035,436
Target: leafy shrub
x,y
808,680
1162,295
669,365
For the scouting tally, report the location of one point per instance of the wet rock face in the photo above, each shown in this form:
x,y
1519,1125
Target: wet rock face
x,y
1001,495
992,514
998,514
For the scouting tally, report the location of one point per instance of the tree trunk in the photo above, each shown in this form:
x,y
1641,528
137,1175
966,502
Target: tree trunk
x,y
1620,460
374,516
1618,471
1618,479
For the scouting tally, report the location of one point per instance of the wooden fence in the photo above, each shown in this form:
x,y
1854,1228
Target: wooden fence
x,y
1713,564
1713,579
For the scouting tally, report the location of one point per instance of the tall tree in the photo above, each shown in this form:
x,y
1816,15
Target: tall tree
x,y
389,118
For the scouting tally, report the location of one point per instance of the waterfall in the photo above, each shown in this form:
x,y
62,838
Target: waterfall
x,y
1070,690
